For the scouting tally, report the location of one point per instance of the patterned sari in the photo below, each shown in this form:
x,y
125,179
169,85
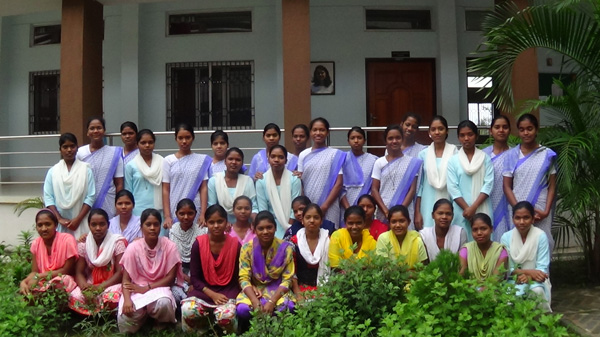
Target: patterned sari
x,y
396,179
357,175
502,223
104,163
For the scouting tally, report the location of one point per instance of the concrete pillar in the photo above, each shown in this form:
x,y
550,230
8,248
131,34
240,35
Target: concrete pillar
x,y
448,91
129,63
295,17
80,65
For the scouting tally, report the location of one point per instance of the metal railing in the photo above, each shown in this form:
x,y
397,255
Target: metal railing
x,y
25,159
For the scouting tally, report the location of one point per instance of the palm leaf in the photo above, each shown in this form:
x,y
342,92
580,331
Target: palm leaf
x,y
569,30
36,202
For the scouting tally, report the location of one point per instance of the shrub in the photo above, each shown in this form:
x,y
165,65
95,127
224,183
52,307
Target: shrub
x,y
352,303
442,303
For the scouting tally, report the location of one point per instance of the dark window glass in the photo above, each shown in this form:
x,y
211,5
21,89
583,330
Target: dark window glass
x,y
474,20
204,23
392,19
211,95
46,35
44,102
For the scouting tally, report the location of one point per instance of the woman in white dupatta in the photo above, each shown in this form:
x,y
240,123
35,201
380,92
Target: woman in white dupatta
x,y
529,254
321,171
98,266
500,131
225,187
106,163
184,176
443,235
470,179
311,252
432,186
260,162
530,174
144,174
69,189
276,190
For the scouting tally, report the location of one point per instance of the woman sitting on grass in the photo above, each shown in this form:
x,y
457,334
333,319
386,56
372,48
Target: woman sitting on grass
x,y
399,241
482,257
352,240
150,267
529,254
98,269
214,268
54,256
266,271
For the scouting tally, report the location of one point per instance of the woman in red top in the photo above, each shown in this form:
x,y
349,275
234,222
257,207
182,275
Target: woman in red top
x,y
375,227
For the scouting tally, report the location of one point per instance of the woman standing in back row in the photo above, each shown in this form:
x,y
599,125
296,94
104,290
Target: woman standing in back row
x,y
106,163
184,176
434,173
321,171
530,174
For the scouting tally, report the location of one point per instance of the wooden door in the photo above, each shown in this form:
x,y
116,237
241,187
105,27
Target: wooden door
x,y
395,87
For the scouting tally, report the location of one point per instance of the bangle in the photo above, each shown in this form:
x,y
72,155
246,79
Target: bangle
x,y
204,289
270,301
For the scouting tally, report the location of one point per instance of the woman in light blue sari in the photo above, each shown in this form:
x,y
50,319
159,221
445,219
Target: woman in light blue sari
x,y
260,161
106,163
184,176
432,186
321,171
470,179
530,174
500,130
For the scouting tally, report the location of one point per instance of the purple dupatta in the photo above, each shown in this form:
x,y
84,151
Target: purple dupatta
x,y
260,270
411,172
201,173
512,163
114,163
336,164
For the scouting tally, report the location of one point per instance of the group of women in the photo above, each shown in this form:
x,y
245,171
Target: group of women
x,y
193,233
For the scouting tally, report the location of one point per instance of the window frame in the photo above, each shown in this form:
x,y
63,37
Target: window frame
x,y
33,109
216,11
411,8
32,34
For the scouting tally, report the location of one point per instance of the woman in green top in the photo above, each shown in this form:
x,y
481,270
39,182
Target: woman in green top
x,y
482,257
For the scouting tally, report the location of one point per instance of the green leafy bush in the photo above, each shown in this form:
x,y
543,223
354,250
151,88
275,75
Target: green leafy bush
x,y
442,303
352,303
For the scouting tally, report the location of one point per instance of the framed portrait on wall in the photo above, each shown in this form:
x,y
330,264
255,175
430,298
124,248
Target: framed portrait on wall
x,y
322,80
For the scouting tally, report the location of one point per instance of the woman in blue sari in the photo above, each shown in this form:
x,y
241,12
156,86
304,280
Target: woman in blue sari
x,y
530,174
260,161
321,171
357,168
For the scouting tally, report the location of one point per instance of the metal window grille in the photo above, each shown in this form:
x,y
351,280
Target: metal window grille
x,y
44,102
211,95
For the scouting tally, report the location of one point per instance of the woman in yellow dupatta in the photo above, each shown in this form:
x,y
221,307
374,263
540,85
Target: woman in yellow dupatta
x,y
399,241
342,240
482,257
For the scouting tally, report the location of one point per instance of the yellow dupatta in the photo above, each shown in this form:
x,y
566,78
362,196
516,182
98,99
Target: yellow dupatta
x,y
341,243
409,248
482,267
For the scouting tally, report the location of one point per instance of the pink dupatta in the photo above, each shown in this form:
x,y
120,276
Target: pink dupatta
x,y
145,265
63,248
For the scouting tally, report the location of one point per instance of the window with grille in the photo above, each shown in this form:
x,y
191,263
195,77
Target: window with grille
x,y
43,35
44,93
211,95
211,22
481,108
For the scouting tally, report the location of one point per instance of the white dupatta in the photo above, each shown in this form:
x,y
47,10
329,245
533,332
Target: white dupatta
x,y
281,201
223,196
321,255
153,174
475,169
70,188
106,249
437,176
525,254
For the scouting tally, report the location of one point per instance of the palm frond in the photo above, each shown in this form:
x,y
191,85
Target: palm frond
x,y
36,202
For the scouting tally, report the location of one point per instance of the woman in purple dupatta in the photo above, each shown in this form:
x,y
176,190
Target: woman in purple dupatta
x,y
106,163
530,175
500,130
266,271
321,171
129,133
394,176
260,162
184,176
357,168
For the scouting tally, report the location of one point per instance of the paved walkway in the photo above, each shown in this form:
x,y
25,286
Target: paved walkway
x,y
580,308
